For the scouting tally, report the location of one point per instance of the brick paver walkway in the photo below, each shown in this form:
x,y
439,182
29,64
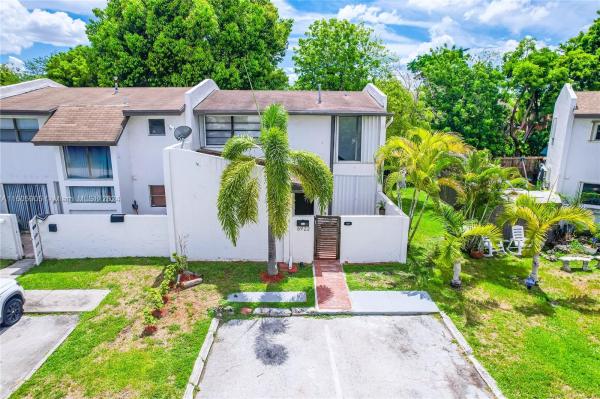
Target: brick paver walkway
x,y
332,290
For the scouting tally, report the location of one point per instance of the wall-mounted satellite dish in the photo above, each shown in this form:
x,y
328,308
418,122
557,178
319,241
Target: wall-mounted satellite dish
x,y
182,132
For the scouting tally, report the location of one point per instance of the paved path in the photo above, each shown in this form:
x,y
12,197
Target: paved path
x,y
53,301
27,344
341,357
332,290
17,268
392,302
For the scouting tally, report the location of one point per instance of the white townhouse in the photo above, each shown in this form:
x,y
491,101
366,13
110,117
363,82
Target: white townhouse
x,y
573,161
82,151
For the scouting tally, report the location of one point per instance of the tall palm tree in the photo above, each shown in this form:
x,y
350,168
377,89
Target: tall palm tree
x,y
237,202
422,158
459,232
484,182
539,219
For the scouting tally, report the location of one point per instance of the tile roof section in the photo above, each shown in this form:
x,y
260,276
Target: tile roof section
x,y
588,103
131,100
295,102
87,125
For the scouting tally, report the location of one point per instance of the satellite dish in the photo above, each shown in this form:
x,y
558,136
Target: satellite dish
x,y
182,132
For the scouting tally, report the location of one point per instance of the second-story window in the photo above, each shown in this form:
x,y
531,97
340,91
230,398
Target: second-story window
x,y
88,162
14,130
220,128
156,127
349,138
596,131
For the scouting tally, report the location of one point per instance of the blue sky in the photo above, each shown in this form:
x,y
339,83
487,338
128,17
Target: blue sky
x,y
407,27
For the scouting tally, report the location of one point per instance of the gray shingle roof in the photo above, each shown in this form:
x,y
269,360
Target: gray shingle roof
x,y
588,103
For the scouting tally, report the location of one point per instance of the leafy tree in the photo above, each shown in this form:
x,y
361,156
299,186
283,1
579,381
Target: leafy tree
x,y
35,68
581,57
339,55
466,96
421,158
181,42
458,232
535,77
8,77
239,191
539,219
73,68
407,106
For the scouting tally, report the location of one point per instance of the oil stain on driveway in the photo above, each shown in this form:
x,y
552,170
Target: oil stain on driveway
x,y
342,357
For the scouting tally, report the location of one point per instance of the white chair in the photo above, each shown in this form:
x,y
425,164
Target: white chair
x,y
517,240
489,250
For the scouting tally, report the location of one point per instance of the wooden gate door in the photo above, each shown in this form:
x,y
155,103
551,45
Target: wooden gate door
x,y
327,237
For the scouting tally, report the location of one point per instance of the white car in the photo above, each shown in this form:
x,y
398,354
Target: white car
x,y
12,299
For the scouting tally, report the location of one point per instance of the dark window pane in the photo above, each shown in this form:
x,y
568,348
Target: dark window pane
x,y
349,138
597,132
302,206
156,127
27,124
100,163
76,162
88,162
80,194
157,196
8,135
590,194
26,135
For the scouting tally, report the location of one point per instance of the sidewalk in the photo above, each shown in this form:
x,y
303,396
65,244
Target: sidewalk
x,y
331,288
17,268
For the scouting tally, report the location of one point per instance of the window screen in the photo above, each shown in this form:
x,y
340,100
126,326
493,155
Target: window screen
x,y
157,196
156,127
349,139
220,128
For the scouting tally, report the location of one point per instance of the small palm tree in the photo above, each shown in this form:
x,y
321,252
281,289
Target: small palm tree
x,y
539,219
237,202
459,232
424,159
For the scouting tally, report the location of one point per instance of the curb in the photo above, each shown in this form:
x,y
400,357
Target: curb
x,y
194,380
462,342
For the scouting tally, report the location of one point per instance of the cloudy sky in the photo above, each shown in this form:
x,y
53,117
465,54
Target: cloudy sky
x,y
408,27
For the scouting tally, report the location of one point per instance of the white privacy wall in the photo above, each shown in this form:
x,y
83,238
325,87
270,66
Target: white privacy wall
x,y
375,238
10,239
192,184
94,236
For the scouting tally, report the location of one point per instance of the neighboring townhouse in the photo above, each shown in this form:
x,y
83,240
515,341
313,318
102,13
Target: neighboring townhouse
x,y
573,161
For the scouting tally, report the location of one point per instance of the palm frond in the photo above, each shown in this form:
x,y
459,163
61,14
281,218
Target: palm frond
x,y
580,217
314,175
274,116
236,146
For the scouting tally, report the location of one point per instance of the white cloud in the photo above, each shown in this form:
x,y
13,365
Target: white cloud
x,y
513,14
82,7
22,28
15,64
375,15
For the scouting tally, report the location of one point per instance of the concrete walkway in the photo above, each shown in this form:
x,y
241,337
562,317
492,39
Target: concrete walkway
x,y
17,268
392,302
57,301
331,288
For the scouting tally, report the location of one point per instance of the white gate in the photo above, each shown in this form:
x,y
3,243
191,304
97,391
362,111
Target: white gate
x,y
36,239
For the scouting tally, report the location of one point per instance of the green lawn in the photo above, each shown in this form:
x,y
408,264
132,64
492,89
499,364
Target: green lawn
x,y
106,356
543,343
6,262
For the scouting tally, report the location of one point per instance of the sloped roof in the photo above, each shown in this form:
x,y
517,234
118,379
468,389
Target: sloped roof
x,y
131,100
295,102
588,103
88,125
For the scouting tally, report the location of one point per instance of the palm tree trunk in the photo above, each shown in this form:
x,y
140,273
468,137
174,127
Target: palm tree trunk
x,y
535,265
412,234
456,275
272,262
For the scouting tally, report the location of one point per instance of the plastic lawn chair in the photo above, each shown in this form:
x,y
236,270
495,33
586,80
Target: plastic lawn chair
x,y
490,250
517,241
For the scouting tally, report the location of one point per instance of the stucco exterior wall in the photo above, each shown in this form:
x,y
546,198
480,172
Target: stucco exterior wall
x,y
94,236
10,239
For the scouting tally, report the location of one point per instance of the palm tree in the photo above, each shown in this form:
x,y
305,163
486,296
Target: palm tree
x,y
459,232
237,202
539,219
422,158
484,182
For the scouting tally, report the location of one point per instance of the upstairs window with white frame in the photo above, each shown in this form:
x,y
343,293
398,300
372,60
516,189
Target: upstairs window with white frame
x,y
88,162
18,130
349,138
220,128
156,127
596,131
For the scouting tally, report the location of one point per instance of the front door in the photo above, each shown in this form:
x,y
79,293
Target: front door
x,y
327,237
26,201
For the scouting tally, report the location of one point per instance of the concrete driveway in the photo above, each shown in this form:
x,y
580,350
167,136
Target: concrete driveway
x,y
25,346
344,357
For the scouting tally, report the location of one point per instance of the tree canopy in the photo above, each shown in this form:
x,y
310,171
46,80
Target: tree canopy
x,y
180,43
339,55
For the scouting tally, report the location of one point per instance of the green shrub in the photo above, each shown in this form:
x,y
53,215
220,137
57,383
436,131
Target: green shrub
x,y
154,298
149,319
